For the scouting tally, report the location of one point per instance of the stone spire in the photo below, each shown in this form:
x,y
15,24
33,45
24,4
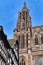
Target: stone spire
x,y
24,7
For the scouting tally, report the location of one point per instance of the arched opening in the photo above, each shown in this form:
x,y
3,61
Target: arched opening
x,y
26,40
22,41
36,40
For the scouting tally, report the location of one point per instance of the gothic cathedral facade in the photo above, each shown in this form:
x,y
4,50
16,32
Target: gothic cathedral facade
x,y
30,39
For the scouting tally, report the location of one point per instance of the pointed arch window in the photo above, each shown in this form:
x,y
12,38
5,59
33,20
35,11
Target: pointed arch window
x,y
23,41
42,38
31,32
36,40
26,40
24,16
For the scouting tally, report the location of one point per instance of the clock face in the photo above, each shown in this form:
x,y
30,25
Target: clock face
x,y
39,61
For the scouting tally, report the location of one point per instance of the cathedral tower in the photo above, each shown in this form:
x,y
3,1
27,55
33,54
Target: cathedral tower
x,y
23,32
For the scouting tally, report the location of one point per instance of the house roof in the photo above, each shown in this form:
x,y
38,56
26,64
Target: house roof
x,y
37,26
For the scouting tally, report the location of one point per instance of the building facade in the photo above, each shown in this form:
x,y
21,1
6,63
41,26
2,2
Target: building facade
x,y
8,54
30,39
30,42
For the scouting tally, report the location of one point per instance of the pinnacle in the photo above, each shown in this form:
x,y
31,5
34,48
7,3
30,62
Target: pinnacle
x,y
24,7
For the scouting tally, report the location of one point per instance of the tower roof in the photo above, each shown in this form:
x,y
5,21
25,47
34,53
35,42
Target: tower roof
x,y
24,7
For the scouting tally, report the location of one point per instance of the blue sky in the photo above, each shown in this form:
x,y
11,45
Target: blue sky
x,y
9,13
